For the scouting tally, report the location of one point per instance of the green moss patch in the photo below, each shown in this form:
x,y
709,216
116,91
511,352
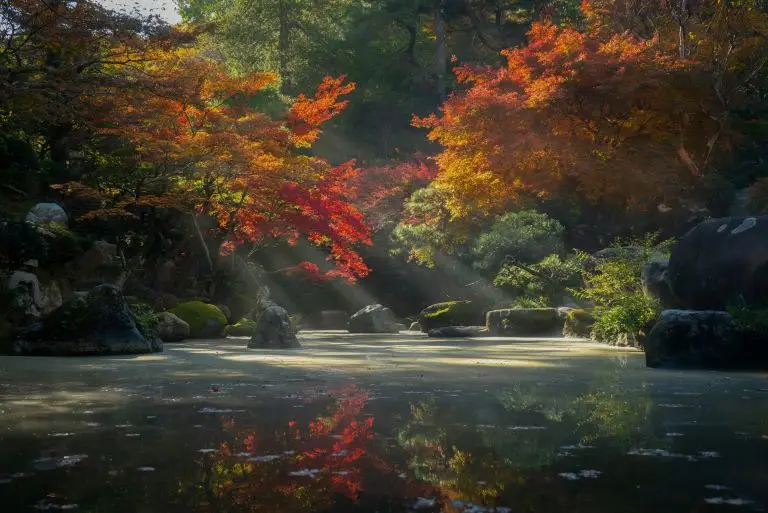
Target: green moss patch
x,y
205,320
243,328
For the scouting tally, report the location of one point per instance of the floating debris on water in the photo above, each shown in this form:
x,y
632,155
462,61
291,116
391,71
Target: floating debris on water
x,y
526,428
219,410
132,435
206,451
717,488
709,454
307,472
674,435
729,502
263,459
577,446
583,474
59,435
422,502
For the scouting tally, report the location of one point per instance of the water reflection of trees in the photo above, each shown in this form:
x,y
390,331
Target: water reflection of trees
x,y
253,470
470,460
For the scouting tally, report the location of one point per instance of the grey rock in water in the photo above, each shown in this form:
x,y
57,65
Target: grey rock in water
x,y
700,339
374,319
96,323
719,262
172,328
273,329
525,322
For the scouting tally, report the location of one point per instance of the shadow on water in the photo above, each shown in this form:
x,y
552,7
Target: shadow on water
x,y
350,426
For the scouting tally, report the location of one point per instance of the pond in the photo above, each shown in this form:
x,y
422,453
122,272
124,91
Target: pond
x,y
357,423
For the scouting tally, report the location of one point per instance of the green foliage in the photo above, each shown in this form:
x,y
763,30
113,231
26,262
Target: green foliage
x,y
451,313
243,328
428,230
750,319
527,236
146,319
200,316
614,286
540,284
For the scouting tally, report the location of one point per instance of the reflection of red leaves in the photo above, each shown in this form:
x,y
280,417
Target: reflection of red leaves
x,y
249,444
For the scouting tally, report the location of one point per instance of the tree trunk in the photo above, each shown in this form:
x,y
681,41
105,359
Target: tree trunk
x,y
283,46
440,57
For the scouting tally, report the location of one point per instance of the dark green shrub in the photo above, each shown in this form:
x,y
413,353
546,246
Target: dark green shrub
x,y
541,284
578,323
19,242
146,319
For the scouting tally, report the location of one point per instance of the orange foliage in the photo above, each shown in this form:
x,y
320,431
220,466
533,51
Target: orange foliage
x,y
613,116
189,122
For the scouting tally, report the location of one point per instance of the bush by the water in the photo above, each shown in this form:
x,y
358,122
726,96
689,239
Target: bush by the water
x,y
451,313
613,284
578,323
205,320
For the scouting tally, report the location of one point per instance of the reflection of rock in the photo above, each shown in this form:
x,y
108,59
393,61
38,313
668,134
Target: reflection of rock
x,y
333,320
373,319
48,213
525,322
98,322
273,329
720,261
709,339
171,328
458,332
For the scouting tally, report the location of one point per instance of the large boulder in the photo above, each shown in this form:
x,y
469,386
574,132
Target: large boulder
x,y
451,313
45,213
99,264
525,322
721,261
205,320
96,323
273,330
333,320
26,297
171,328
655,281
373,319
701,339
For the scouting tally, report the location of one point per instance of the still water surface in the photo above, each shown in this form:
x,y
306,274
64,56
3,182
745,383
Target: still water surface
x,y
351,424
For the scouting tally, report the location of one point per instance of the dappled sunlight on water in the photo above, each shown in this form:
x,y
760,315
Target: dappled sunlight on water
x,y
306,431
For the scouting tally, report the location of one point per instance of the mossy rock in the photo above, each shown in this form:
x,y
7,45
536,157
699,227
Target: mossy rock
x,y
578,323
451,313
205,320
243,328
525,322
